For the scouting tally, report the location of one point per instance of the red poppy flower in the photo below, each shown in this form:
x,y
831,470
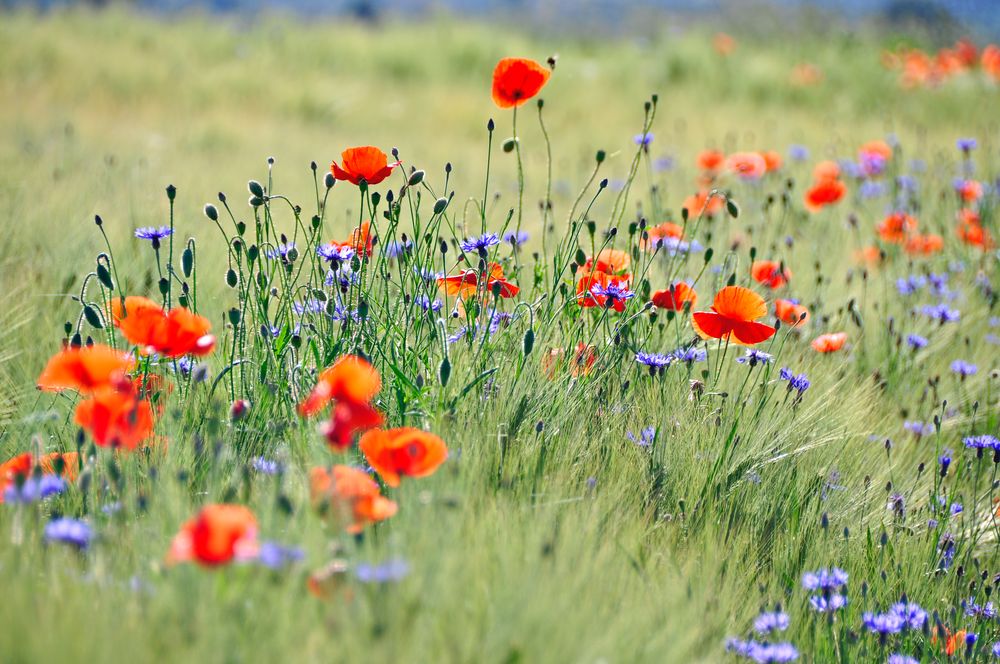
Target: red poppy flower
x,y
711,160
702,204
676,297
612,261
734,312
826,170
748,165
403,452
828,343
348,419
219,534
516,80
770,273
350,378
923,245
583,360
825,192
896,227
171,334
352,494
969,191
772,160
879,149
467,282
723,44
21,466
970,230
655,235
366,163
116,417
84,369
790,313
600,282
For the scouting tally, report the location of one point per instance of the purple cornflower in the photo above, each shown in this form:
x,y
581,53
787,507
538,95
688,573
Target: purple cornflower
x,y
906,182
643,139
34,489
460,334
941,313
911,284
897,503
945,461
983,442
911,613
277,556
872,164
69,531
824,579
899,658
393,570
616,292
479,244
690,355
646,436
308,307
963,368
918,428
335,252
425,303
996,649
824,604
516,238
664,163
754,357
281,251
655,361
916,342
966,144
766,623
266,466
798,382
871,189
762,652
882,624
798,152
153,233
397,248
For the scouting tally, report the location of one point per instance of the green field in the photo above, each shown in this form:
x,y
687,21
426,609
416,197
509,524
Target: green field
x,y
547,535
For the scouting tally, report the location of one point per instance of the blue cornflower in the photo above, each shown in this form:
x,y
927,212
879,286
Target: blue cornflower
x,y
798,152
335,252
912,614
966,144
277,556
956,508
906,182
919,428
763,652
516,238
754,357
798,382
393,570
963,368
690,355
871,189
643,139
342,313
69,531
425,303
479,244
872,164
945,461
185,365
910,285
882,623
34,489
664,163
996,649
341,276
397,248
899,658
654,360
498,318
616,292
646,436
766,623
916,342
281,251
460,334
312,306
824,604
153,233
941,313
983,442
266,466
824,579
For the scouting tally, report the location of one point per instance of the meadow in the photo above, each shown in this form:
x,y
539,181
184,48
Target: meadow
x,y
624,480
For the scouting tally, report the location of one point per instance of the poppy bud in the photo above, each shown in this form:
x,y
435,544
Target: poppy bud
x,y
171,192
234,316
292,255
529,342
603,184
105,277
509,144
440,205
231,278
187,262
255,201
164,286
252,253
444,371
256,188
241,227
211,212
416,177
90,313
732,208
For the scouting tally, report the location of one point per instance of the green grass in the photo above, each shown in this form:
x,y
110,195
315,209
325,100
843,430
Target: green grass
x,y
547,535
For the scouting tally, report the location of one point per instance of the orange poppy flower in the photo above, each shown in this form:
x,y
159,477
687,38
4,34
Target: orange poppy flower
x,y
924,245
116,418
675,297
171,334
772,160
601,281
366,163
217,535
612,261
747,165
825,192
870,255
655,235
702,203
711,160
877,148
828,343
350,378
584,359
971,232
516,80
723,44
790,313
826,170
347,419
770,274
954,642
22,465
990,61
402,452
361,241
969,191
84,369
733,315
896,227
467,282
353,495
